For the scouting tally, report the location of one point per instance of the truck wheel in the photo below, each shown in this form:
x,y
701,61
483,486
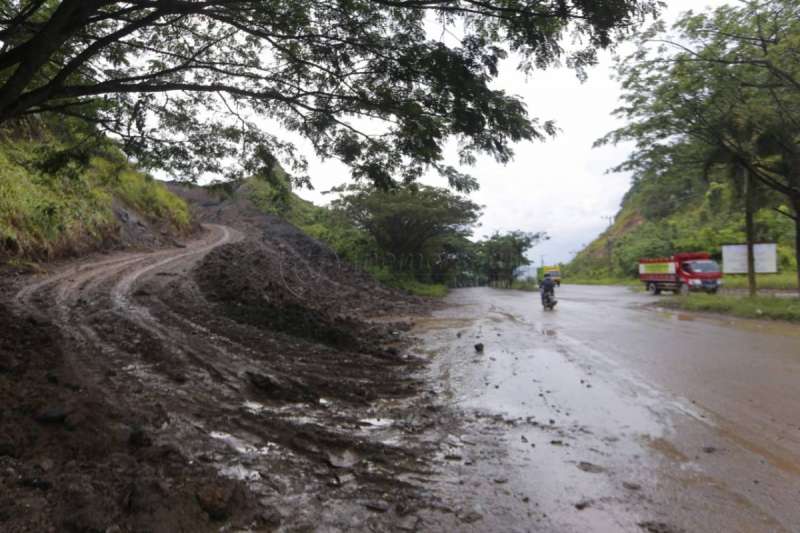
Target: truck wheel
x,y
652,288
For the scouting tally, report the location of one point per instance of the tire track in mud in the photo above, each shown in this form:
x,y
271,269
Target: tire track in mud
x,y
186,375
81,300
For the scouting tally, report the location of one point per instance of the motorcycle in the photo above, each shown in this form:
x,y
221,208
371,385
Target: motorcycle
x,y
548,300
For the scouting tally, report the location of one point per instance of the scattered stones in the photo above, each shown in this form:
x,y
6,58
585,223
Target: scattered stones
x,y
501,481
453,457
631,486
377,506
658,527
557,442
709,449
583,504
479,347
590,467
472,517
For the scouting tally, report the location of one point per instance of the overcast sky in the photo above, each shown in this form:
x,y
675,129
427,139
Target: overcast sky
x,y
559,186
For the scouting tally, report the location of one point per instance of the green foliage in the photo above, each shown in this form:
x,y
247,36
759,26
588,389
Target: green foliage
x,y
415,230
501,254
769,307
46,214
182,84
407,283
712,105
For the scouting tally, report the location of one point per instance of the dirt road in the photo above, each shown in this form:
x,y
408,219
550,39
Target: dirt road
x,y
609,415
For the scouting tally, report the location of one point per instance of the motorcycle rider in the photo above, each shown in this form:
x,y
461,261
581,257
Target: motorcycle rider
x,y
547,287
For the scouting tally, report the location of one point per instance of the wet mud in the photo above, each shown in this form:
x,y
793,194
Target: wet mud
x,y
173,390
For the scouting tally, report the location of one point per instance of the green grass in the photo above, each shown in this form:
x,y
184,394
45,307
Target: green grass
x,y
782,280
44,215
409,284
769,307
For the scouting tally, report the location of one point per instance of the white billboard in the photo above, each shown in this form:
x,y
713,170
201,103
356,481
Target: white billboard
x,y
734,258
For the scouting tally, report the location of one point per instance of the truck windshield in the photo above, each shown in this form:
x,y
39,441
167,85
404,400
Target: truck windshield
x,y
553,273
705,266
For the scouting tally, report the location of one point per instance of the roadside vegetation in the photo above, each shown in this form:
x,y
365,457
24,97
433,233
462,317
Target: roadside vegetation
x,y
715,123
765,307
412,237
51,208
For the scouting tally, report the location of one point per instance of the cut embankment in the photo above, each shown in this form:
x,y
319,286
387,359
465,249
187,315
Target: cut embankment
x,y
104,204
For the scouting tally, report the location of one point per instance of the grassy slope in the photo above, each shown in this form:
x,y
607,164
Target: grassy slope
x,y
45,216
704,220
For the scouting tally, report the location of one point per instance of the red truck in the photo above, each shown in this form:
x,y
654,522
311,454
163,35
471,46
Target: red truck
x,y
681,273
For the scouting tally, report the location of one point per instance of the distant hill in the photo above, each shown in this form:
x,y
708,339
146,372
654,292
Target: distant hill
x,y
662,215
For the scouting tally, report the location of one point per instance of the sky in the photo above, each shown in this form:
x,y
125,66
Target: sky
x,y
560,185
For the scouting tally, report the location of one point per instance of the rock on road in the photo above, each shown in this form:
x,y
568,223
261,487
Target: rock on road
x,y
611,415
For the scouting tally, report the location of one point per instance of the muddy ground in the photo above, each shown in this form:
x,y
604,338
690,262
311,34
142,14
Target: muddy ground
x,y
243,380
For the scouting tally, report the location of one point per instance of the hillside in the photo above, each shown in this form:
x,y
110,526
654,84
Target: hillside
x,y
52,209
660,216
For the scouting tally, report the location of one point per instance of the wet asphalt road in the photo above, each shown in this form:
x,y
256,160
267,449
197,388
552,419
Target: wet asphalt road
x,y
611,415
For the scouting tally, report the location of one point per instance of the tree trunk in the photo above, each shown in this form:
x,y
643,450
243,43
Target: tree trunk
x,y
749,193
796,202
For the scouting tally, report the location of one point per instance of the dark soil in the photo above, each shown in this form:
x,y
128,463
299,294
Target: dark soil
x,y
240,381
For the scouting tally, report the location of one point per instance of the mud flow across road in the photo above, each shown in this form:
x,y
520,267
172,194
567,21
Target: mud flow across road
x,y
607,415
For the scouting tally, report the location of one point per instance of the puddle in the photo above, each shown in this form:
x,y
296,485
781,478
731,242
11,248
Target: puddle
x,y
241,446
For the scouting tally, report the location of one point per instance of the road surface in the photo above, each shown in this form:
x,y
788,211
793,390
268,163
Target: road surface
x,y
611,415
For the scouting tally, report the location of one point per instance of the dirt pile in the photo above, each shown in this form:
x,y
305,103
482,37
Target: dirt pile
x,y
71,461
245,380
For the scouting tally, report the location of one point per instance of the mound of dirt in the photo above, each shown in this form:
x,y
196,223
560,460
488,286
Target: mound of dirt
x,y
71,461
239,382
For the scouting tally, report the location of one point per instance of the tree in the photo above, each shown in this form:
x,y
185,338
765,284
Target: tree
x,y
729,79
181,83
504,253
418,229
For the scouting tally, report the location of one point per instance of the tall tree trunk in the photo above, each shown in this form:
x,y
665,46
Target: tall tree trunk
x,y
796,206
749,208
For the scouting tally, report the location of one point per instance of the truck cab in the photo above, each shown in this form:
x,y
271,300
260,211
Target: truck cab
x,y
681,273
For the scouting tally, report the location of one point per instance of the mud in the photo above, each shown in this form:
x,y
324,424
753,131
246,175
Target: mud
x,y
245,380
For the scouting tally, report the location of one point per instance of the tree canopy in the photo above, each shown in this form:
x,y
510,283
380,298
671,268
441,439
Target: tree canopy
x,y
182,83
413,226
502,254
